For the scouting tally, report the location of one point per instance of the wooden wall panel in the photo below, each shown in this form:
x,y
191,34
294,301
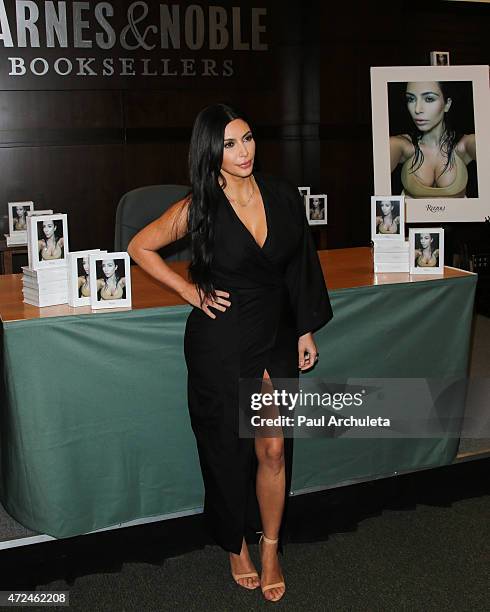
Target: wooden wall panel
x,y
60,110
84,182
155,163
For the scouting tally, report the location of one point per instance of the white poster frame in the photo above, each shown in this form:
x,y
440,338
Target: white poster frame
x,y
33,241
434,209
97,303
29,204
413,251
74,298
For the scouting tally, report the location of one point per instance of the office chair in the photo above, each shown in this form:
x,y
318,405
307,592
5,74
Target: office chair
x,y
139,207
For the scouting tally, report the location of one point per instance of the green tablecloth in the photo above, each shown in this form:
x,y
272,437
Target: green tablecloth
x,y
94,423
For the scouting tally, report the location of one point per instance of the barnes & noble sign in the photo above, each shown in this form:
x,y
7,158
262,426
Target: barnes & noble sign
x,y
49,44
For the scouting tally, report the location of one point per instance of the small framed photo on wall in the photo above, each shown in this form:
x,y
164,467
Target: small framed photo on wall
x,y
439,58
316,209
387,217
79,277
426,246
304,191
47,241
110,280
18,216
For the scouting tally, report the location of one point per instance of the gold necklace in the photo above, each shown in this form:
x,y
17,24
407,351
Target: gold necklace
x,y
249,197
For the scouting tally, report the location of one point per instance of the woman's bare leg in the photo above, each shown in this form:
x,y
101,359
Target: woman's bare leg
x,y
270,487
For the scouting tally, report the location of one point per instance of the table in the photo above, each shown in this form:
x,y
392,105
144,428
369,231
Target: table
x,y
6,253
94,424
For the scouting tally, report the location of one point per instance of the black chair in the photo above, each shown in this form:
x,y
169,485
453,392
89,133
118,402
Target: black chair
x,y
139,207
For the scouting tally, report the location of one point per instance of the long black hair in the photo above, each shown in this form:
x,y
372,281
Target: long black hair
x,y
205,160
447,143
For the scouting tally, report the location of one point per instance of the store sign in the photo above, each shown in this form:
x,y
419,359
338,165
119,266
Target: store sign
x,y
48,43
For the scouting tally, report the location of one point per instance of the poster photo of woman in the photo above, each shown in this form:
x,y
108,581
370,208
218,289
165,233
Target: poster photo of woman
x,y
47,241
79,277
316,209
426,253
110,280
17,212
431,140
439,58
387,217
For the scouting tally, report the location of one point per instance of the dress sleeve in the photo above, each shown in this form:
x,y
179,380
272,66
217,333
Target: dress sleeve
x,y
304,278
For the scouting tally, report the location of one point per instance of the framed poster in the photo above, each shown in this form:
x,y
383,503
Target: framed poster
x,y
316,209
79,277
110,280
431,140
439,58
426,250
47,241
18,216
387,217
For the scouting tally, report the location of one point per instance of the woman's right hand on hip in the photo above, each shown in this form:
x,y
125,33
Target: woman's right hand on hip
x,y
191,295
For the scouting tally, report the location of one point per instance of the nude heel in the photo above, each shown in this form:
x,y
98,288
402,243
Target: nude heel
x,y
236,578
268,587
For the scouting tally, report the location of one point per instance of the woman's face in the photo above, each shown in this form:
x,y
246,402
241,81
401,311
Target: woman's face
x,y
49,228
425,240
386,207
86,264
20,211
108,267
426,105
315,202
238,149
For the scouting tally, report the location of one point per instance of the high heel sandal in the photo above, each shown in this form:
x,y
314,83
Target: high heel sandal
x,y
268,587
237,577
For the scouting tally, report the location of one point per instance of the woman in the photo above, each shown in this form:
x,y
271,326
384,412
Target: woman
x,y
112,286
426,252
84,278
317,212
389,220
20,223
52,245
433,156
258,293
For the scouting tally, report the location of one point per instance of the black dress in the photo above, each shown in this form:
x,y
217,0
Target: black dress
x,y
277,294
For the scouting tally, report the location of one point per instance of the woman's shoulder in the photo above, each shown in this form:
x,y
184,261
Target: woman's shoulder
x,y
464,146
404,141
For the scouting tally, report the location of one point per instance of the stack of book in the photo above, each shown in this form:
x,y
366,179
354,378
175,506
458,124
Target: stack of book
x,y
391,256
16,239
45,287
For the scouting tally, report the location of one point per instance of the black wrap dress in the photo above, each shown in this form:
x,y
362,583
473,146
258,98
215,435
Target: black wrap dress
x,y
277,294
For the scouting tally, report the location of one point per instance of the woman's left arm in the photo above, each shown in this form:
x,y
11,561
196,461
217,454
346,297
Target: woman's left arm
x,y
306,284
